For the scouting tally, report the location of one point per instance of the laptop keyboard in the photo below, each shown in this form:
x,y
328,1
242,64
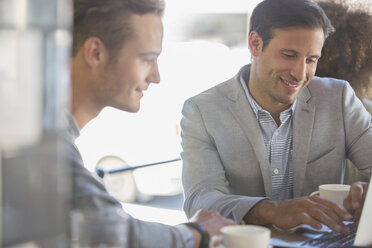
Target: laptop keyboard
x,y
335,239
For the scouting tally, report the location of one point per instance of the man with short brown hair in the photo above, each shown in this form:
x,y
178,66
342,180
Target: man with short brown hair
x,y
115,50
256,146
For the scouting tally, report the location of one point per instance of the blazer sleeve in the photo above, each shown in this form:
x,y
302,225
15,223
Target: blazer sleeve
x,y
89,193
203,175
358,131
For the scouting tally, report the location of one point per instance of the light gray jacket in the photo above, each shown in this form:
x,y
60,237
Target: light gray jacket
x,y
89,193
225,165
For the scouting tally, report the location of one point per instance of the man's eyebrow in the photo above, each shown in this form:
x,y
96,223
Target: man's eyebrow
x,y
314,57
152,53
295,52
289,51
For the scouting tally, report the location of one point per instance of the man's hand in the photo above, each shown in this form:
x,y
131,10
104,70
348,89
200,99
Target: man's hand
x,y
210,220
355,200
311,210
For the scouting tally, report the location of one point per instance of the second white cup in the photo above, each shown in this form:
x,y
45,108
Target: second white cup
x,y
241,236
333,192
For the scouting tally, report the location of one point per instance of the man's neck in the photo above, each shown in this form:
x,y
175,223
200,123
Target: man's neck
x,y
84,106
273,108
82,116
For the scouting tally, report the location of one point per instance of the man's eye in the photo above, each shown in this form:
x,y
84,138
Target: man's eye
x,y
311,61
289,55
149,60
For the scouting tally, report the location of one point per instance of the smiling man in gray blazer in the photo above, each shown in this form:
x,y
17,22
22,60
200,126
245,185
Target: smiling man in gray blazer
x,y
255,146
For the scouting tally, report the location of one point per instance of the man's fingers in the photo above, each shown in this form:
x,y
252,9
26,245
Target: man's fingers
x,y
356,194
365,189
334,223
304,218
347,204
324,210
315,218
355,200
312,211
332,209
327,213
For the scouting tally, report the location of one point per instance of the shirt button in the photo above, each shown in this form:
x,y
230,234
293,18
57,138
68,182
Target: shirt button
x,y
276,171
276,133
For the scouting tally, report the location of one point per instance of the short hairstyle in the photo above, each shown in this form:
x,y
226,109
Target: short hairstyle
x,y
109,20
278,14
347,54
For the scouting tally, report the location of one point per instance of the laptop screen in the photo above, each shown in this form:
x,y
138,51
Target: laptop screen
x,y
363,236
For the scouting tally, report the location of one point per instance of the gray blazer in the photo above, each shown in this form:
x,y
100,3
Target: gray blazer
x,y
89,193
225,165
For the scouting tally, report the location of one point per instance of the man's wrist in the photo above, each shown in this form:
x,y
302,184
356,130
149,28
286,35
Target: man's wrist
x,y
204,241
196,237
263,213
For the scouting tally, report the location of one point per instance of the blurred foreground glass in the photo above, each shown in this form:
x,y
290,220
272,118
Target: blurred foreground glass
x,y
101,228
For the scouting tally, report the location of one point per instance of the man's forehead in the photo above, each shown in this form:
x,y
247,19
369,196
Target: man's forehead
x,y
147,33
294,29
299,39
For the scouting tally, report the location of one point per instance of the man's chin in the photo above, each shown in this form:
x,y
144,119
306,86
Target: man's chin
x,y
133,109
287,100
130,109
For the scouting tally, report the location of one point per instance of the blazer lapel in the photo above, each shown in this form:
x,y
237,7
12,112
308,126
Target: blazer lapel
x,y
244,115
303,121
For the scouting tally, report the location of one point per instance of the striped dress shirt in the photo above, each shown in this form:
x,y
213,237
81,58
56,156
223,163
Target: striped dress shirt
x,y
278,145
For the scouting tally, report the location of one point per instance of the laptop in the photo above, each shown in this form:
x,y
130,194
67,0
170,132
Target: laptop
x,y
306,236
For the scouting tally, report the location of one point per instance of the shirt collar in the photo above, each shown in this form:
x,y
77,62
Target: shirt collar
x,y
72,127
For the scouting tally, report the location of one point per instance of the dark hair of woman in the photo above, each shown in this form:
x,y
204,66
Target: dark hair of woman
x,y
347,54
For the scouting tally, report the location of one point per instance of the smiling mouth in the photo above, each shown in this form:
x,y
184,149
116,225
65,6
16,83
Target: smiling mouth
x,y
140,92
289,83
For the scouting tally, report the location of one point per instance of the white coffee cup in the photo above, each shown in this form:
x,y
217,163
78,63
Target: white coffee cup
x,y
242,236
333,192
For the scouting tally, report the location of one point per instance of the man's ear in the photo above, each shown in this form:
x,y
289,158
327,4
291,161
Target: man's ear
x,y
94,51
255,43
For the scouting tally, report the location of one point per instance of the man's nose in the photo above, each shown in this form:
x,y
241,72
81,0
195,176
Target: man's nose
x,y
299,70
154,76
